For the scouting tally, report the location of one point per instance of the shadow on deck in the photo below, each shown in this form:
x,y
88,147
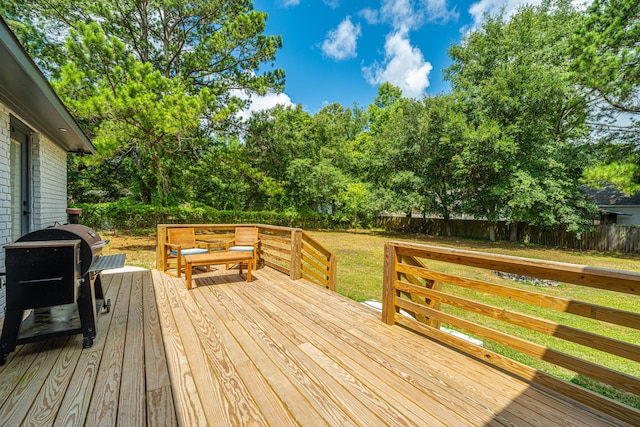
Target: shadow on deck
x,y
268,352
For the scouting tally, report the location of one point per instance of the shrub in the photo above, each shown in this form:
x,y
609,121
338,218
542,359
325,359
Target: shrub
x,y
125,215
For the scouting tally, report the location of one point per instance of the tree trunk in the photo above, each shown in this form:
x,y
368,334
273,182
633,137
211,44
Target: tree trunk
x,y
513,231
424,222
447,225
492,232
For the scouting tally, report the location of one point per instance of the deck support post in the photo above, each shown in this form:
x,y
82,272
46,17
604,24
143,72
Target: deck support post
x,y
388,288
295,271
161,240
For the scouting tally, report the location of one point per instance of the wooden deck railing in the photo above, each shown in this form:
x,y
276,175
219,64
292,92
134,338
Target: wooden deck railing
x,y
318,264
289,250
433,298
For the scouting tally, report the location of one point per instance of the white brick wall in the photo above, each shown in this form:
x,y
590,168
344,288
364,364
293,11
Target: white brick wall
x,y
49,176
48,190
5,214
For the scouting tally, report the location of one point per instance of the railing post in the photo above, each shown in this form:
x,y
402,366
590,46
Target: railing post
x,y
333,271
161,239
295,272
388,289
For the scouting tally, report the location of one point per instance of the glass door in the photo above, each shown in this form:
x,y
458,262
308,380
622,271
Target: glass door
x,y
19,182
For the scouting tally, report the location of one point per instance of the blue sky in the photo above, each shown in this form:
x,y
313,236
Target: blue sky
x,y
342,50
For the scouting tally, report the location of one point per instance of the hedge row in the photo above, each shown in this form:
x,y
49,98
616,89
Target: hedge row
x,y
127,216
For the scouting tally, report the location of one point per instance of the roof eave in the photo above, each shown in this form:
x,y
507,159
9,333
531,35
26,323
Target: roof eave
x,y
27,92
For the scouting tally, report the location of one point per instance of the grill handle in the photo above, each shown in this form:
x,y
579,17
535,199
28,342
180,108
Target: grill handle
x,y
51,279
100,244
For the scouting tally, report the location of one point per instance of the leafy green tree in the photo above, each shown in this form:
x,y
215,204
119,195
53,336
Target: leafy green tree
x,y
606,51
375,152
316,184
412,151
149,115
523,161
624,176
310,157
88,182
222,177
274,139
358,203
152,79
483,172
442,130
335,130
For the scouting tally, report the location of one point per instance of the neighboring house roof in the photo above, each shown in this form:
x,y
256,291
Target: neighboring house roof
x,y
609,197
25,90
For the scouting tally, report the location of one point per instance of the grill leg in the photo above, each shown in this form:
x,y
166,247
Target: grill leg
x,y
97,286
99,293
10,329
87,312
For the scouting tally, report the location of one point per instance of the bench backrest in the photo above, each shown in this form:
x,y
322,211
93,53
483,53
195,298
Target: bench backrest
x,y
182,236
246,236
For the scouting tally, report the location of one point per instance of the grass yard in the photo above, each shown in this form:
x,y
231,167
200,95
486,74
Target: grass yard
x,y
360,258
360,271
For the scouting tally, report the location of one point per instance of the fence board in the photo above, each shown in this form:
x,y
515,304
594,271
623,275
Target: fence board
x,y
603,238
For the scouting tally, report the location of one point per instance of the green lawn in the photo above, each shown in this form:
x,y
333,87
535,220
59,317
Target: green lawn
x,y
360,259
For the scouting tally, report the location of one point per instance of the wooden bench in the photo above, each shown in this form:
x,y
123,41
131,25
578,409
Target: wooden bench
x,y
212,258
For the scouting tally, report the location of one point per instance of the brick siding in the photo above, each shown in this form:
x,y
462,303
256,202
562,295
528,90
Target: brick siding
x,y
5,213
48,186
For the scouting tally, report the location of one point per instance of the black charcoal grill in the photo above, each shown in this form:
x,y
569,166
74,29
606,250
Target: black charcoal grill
x,y
55,276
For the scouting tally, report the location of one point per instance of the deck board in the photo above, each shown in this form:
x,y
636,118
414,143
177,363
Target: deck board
x,y
131,405
284,356
44,409
316,349
329,360
123,379
271,352
498,395
284,399
350,364
396,376
189,409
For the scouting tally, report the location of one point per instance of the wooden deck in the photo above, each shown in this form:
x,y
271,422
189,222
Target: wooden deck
x,y
123,379
269,352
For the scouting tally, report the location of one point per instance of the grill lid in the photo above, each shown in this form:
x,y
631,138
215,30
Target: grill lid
x,y
90,242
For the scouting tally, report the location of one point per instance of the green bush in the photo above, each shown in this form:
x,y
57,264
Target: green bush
x,y
125,215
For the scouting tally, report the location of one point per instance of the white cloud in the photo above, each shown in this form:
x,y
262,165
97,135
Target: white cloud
x,y
287,3
370,15
332,3
437,11
341,43
494,7
401,15
404,66
407,15
259,103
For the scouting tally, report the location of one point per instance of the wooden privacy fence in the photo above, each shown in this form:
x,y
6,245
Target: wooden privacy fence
x,y
606,238
289,250
414,282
